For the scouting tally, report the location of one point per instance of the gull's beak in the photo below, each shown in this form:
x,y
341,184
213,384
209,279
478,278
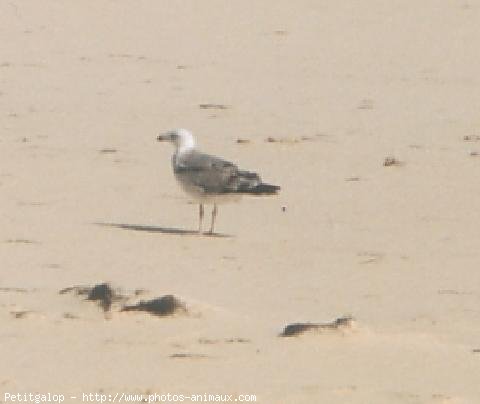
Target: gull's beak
x,y
163,137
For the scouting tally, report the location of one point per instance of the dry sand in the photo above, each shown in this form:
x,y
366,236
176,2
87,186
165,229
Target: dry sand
x,y
340,87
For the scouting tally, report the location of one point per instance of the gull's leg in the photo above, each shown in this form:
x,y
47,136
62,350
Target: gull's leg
x,y
214,215
200,217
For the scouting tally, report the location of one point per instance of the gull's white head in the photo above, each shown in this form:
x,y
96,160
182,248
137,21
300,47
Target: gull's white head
x,y
181,138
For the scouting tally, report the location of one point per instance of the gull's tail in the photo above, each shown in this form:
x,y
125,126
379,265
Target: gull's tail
x,y
250,183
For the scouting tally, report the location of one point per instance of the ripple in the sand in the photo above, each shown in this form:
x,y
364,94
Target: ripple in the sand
x,y
20,241
295,329
238,340
365,104
289,140
188,356
213,106
107,151
21,313
471,138
14,290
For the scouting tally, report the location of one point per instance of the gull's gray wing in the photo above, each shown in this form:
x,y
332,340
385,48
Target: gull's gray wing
x,y
213,175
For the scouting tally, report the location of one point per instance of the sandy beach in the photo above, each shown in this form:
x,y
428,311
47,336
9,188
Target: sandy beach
x,y
365,113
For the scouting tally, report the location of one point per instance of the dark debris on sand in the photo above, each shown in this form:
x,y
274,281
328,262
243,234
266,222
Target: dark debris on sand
x,y
20,313
102,293
105,295
295,329
187,355
107,150
15,290
213,106
471,138
291,140
78,290
392,161
161,306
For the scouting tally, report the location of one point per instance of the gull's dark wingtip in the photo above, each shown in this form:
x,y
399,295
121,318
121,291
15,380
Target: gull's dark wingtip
x,y
264,189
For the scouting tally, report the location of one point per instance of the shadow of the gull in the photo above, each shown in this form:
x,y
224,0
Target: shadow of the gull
x,y
163,230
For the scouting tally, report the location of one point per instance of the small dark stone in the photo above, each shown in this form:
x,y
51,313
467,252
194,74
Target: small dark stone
x,y
162,306
299,328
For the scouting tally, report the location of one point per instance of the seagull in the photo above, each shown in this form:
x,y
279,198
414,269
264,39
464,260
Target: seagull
x,y
209,179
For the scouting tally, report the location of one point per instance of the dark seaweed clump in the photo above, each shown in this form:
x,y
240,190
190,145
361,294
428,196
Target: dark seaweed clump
x,y
299,328
102,293
161,306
